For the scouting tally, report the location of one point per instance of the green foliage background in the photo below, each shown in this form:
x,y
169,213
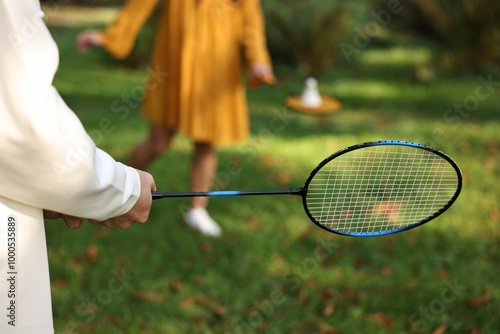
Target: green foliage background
x,y
308,34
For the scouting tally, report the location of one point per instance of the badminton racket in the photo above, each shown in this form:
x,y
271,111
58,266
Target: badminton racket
x,y
371,189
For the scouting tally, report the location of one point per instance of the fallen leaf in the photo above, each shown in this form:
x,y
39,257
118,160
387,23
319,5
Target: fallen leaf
x,y
495,215
389,209
360,296
305,233
479,300
389,239
346,215
283,178
267,161
381,319
151,297
489,164
386,270
441,274
278,263
219,311
348,292
253,222
175,285
59,284
326,293
360,276
329,309
202,299
91,254
185,302
464,146
76,266
326,329
206,247
440,330
102,232
492,145
87,328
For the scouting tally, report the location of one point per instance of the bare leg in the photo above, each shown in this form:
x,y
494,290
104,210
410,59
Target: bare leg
x,y
203,167
148,150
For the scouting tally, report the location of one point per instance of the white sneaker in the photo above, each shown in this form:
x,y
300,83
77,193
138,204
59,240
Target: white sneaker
x,y
200,220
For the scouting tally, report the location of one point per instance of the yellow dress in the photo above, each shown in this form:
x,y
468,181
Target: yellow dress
x,y
198,87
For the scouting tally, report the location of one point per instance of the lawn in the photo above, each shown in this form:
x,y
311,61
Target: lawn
x,y
273,271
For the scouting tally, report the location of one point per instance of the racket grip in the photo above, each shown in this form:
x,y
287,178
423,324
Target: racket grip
x,y
156,195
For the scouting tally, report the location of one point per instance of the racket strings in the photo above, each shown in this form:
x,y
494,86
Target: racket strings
x,y
380,188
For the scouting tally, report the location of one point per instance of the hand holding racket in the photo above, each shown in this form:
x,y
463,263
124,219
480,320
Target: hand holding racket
x,y
372,189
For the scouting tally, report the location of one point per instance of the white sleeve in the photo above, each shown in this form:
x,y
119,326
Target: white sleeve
x,y
47,160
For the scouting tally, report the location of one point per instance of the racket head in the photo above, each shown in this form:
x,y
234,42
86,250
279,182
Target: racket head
x,y
380,188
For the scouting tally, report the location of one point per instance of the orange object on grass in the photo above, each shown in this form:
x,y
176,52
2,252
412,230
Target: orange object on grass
x,y
328,105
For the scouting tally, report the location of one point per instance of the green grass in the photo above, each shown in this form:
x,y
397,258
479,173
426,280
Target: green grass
x,y
273,271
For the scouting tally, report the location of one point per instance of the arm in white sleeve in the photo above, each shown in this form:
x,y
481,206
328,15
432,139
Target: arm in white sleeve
x,y
47,160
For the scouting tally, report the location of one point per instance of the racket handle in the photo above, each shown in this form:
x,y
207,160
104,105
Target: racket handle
x,y
225,193
159,195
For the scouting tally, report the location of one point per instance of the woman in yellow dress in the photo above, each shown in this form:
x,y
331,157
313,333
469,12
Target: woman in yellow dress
x,y
198,47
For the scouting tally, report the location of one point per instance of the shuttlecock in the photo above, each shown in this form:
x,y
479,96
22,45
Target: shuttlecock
x,y
310,96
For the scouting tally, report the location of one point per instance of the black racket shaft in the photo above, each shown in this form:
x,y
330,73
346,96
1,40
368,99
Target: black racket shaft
x,y
226,193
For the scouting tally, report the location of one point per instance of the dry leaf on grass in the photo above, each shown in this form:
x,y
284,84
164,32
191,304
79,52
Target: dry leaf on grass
x,y
440,330
151,297
91,254
479,300
381,319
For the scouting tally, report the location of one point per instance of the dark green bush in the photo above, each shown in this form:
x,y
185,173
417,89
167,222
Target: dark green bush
x,y
307,33
468,32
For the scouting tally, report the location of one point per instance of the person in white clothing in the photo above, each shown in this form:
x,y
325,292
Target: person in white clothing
x,y
49,167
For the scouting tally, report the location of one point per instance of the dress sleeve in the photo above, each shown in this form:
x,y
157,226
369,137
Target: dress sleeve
x,y
253,33
47,160
120,36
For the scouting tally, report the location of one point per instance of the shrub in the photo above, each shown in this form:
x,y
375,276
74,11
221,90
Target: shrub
x,y
468,31
307,33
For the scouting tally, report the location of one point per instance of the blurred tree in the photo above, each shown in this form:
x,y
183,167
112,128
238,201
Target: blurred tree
x,y
468,31
307,33
302,33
